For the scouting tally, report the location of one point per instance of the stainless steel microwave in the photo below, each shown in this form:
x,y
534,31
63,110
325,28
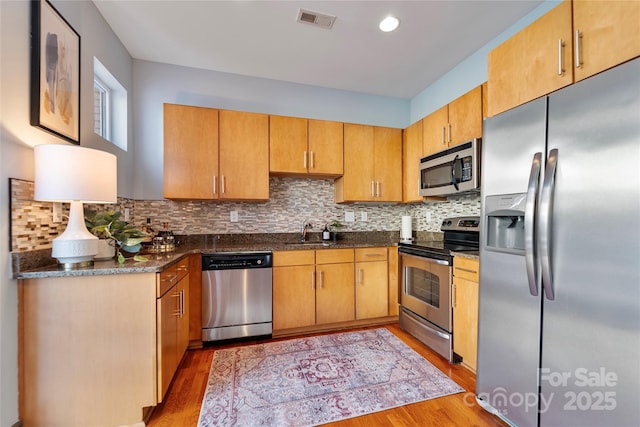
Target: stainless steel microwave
x,y
452,171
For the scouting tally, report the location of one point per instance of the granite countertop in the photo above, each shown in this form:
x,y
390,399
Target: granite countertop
x,y
41,265
467,254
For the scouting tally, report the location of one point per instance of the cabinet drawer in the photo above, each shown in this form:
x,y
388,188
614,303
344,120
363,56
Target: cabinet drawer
x,y
334,256
172,275
371,254
290,258
466,268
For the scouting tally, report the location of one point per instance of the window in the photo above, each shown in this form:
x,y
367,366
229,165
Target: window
x,y
101,104
109,105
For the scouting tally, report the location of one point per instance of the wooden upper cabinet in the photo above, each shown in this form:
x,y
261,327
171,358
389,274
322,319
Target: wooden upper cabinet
x,y
434,131
534,62
573,41
326,144
388,164
288,152
190,152
244,155
411,154
305,147
372,165
357,181
465,117
606,33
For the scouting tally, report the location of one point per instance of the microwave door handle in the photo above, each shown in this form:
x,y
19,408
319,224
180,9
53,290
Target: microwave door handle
x,y
453,172
529,224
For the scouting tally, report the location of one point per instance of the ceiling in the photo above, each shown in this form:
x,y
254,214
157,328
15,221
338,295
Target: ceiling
x,y
263,39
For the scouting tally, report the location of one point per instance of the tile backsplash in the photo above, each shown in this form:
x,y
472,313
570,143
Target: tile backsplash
x,y
292,201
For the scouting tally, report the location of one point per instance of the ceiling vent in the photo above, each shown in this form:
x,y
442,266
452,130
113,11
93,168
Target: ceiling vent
x,y
316,19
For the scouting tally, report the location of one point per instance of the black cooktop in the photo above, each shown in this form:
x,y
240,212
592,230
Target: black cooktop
x,y
461,234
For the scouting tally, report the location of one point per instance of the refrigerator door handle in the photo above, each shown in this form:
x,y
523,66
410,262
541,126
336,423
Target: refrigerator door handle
x,y
544,226
453,173
529,221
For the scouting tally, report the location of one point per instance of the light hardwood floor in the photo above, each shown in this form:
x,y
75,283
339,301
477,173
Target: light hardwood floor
x,y
181,406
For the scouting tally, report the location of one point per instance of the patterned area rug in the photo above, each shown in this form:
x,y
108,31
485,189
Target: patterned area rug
x,y
316,380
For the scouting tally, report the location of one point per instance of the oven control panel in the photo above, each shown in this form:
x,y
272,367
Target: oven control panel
x,y
461,223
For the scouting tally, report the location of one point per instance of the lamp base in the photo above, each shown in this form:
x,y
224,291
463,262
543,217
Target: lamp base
x,y
74,265
76,247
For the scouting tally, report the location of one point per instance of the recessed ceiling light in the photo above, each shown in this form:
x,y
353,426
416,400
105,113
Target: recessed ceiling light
x,y
389,23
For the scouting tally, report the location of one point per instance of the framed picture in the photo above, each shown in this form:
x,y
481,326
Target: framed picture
x,y
55,73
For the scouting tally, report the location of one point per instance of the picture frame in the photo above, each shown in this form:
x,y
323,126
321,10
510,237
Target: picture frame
x,y
55,73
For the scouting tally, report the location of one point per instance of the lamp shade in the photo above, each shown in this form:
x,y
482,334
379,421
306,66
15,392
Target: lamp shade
x,y
67,173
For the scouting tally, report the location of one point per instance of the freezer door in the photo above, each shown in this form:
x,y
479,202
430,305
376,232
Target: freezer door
x,y
590,372
509,315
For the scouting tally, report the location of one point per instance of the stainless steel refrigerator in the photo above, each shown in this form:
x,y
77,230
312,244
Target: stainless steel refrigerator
x,y
559,307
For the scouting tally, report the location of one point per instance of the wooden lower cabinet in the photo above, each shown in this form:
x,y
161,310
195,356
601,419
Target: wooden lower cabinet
x,y
465,310
87,349
316,289
372,285
172,322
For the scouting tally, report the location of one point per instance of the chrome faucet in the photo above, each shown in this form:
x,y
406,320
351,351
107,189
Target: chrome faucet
x,y
303,232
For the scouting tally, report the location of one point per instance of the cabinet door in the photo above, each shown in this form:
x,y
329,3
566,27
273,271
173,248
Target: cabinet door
x,y
334,293
465,117
394,282
326,145
608,34
388,164
411,154
434,131
288,145
244,155
534,62
357,183
182,318
190,152
372,290
293,297
465,321
167,327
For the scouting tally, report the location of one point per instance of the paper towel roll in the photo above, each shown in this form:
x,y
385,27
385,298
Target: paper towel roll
x,y
405,231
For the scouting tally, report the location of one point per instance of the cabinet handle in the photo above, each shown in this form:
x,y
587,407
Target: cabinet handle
x,y
372,255
170,279
578,60
560,46
222,184
373,189
377,188
360,276
453,296
443,141
215,184
304,160
449,130
312,161
313,280
321,279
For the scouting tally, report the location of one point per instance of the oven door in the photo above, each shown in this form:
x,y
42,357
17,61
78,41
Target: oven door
x,y
425,289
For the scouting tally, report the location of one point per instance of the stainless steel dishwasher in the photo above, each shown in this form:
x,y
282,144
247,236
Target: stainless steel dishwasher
x,y
236,295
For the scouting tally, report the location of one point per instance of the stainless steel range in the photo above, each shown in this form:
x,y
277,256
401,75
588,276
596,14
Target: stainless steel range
x,y
426,276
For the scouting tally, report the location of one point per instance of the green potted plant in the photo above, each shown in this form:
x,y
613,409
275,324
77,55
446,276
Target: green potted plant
x,y
125,239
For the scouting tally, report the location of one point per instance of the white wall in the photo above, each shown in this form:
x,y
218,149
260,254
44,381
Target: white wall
x,y
17,137
157,83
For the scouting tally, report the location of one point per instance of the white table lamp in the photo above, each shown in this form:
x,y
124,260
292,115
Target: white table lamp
x,y
74,174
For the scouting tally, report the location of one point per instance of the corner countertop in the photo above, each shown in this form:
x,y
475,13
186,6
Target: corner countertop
x,y
157,262
468,254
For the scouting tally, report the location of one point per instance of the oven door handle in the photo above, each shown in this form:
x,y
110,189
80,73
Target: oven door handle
x,y
423,258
